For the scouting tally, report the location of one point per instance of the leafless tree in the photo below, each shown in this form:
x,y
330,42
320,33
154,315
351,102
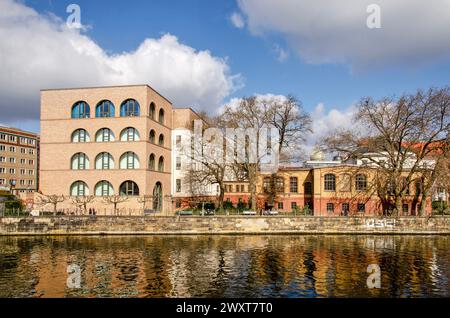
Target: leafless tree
x,y
286,116
397,136
53,199
115,200
82,201
144,199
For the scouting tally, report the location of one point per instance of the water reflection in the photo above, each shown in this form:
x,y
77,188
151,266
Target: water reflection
x,y
225,266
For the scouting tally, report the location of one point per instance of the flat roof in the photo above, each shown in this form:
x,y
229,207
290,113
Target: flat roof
x,y
17,130
110,86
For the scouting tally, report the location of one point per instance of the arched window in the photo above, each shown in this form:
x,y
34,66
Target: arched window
x,y
293,184
129,134
79,189
152,111
129,188
151,162
161,116
104,135
157,197
80,135
161,164
130,108
105,109
104,161
81,110
279,184
161,140
80,161
330,182
104,189
361,182
152,136
129,160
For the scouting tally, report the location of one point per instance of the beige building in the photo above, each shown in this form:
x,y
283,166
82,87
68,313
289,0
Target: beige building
x,y
107,141
19,160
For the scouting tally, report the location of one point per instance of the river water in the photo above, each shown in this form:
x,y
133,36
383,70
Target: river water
x,y
224,266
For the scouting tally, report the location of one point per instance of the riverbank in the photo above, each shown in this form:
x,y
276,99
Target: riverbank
x,y
103,225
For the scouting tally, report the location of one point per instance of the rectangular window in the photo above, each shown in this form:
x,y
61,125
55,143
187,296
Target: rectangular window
x,y
2,170
294,184
22,161
330,207
12,160
178,163
2,159
178,185
22,182
12,138
2,137
178,141
361,208
31,162
2,181
22,171
2,148
345,208
178,203
23,150
23,140
31,172
12,149
293,205
12,171
31,151
280,205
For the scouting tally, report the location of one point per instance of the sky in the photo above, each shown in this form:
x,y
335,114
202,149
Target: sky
x,y
206,54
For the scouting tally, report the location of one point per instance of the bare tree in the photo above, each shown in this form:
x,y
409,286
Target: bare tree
x,y
286,116
82,201
52,199
397,138
292,122
115,200
144,199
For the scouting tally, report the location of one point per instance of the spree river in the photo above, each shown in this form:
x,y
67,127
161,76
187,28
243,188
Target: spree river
x,y
224,266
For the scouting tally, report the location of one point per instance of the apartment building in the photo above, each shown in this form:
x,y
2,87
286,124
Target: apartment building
x,y
19,160
186,191
106,141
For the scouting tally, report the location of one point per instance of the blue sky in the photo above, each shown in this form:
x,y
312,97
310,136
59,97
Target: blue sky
x,y
252,51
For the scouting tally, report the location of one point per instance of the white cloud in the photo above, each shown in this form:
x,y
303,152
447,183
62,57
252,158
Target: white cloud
x,y
335,31
325,121
237,20
38,51
282,54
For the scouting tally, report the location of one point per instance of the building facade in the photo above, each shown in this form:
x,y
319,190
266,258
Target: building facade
x,y
107,141
19,160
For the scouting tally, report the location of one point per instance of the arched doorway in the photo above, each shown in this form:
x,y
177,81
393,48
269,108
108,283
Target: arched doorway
x,y
157,197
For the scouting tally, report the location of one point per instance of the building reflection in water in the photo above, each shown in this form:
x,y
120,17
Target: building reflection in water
x,y
225,266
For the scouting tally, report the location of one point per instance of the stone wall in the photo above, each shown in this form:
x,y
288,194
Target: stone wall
x,y
221,225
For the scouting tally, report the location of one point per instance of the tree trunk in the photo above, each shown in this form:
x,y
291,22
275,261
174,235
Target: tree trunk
x,y
398,206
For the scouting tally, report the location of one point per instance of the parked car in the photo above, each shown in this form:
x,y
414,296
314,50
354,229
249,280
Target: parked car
x,y
34,213
249,213
210,212
270,212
